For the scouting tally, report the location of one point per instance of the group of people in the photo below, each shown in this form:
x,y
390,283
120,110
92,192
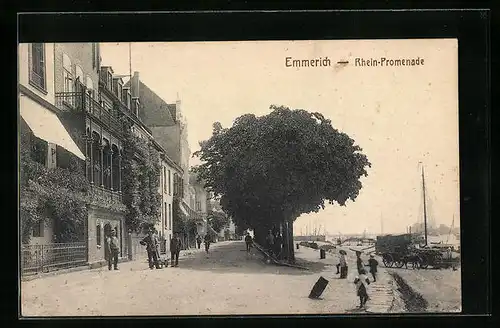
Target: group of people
x,y
274,243
152,243
361,280
206,240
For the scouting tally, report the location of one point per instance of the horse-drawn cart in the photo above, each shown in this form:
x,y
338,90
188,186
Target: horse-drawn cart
x,y
401,250
394,250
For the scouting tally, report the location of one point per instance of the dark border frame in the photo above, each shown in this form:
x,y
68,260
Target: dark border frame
x,y
471,27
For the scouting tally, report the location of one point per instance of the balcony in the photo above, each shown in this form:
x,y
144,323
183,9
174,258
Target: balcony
x,y
102,196
83,102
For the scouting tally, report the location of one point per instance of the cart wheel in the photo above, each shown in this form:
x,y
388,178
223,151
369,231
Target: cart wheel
x,y
438,261
399,264
387,260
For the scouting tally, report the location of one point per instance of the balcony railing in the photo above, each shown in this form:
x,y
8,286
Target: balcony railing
x,y
106,195
81,101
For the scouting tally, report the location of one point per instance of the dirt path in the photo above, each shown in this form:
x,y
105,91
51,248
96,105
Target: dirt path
x,y
227,281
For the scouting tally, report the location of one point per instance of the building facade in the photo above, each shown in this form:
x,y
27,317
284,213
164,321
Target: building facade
x,y
170,132
93,104
40,120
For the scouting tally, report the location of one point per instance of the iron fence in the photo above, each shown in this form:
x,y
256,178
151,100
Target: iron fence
x,y
50,257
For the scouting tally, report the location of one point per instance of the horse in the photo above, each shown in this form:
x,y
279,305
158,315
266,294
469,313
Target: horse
x,y
413,259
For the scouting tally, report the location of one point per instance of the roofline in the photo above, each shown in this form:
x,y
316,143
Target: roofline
x,y
163,155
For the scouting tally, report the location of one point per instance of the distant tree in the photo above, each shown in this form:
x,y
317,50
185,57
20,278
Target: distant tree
x,y
269,170
217,220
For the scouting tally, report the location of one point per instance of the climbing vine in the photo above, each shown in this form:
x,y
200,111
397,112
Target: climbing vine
x,y
57,195
140,184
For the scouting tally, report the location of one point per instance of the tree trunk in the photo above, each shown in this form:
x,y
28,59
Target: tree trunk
x,y
260,234
291,258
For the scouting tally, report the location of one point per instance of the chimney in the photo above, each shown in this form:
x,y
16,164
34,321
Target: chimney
x,y
177,109
134,85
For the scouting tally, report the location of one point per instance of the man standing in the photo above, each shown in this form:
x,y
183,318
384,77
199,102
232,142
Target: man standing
x,y
278,242
175,249
270,242
198,241
151,242
113,250
359,263
248,242
207,242
342,265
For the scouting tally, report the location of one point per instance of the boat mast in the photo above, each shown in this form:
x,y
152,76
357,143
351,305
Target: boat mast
x,y
425,209
451,228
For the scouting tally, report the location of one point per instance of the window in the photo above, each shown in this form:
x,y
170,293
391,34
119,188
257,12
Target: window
x,y
165,177
162,180
163,219
38,229
37,65
90,86
98,235
167,214
109,83
67,75
198,205
169,183
170,216
137,107
79,76
51,155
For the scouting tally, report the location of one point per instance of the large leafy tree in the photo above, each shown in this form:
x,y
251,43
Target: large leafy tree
x,y
217,220
269,170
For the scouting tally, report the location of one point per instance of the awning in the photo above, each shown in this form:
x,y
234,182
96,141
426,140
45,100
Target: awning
x,y
183,210
47,126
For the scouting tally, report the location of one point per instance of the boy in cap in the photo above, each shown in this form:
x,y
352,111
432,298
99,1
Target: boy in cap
x,y
372,263
359,262
362,283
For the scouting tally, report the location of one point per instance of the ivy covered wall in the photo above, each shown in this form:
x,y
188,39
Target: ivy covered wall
x,y
58,194
140,183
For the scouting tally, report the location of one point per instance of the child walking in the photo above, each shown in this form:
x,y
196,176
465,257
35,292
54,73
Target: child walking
x,y
362,283
372,263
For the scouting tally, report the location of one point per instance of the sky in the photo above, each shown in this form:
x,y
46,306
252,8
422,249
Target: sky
x,y
402,117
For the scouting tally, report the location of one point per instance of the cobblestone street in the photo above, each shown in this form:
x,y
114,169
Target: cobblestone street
x,y
227,281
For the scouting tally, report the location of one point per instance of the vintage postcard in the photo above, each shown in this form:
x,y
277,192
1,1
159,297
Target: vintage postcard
x,y
236,178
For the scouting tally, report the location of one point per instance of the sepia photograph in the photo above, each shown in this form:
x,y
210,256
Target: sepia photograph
x,y
239,178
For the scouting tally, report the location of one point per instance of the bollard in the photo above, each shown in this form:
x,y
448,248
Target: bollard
x,y
322,253
297,246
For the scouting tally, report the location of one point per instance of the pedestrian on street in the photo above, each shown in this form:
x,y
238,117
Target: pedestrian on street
x,y
372,263
278,242
342,265
359,262
113,245
207,242
151,243
175,249
198,241
270,242
362,283
248,242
